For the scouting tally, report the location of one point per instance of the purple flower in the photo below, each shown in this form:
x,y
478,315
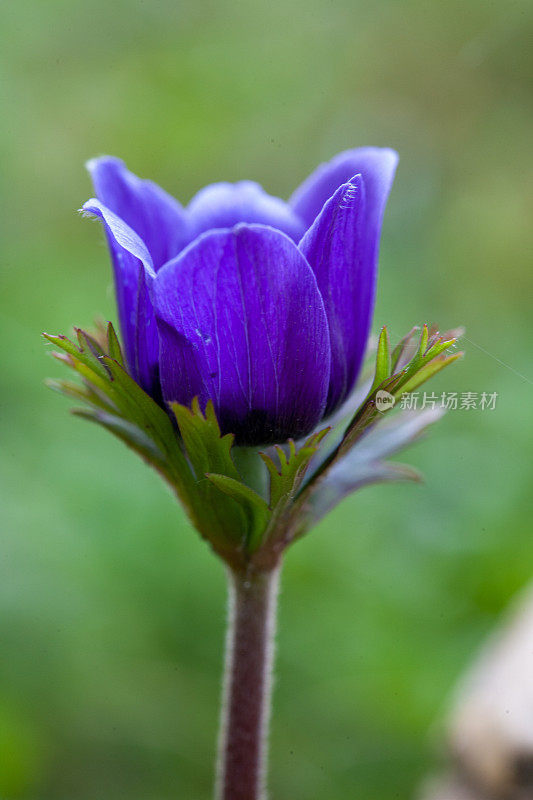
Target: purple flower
x,y
262,306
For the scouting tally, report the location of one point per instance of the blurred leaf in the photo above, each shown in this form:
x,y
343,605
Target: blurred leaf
x,y
135,418
76,392
130,434
350,464
364,464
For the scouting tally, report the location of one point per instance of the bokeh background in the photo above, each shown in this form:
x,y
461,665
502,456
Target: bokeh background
x,y
111,609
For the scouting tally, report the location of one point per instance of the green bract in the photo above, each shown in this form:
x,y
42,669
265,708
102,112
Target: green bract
x,y
250,528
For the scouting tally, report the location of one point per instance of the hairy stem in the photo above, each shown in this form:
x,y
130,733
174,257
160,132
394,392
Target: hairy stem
x,y
247,685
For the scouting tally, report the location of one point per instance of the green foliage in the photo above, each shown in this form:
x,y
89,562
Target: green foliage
x,y
225,505
254,507
353,464
383,360
366,463
285,482
194,457
113,345
208,451
197,461
392,376
119,404
286,479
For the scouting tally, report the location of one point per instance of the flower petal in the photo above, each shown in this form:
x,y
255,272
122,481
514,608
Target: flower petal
x,y
134,274
377,165
342,248
241,322
153,214
335,248
223,205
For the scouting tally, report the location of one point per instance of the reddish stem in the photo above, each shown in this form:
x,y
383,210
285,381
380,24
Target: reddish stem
x,y
247,685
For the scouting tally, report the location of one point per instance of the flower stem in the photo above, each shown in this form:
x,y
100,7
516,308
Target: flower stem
x,y
247,685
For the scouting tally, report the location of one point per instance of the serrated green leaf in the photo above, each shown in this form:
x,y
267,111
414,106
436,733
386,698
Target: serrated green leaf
x,y
141,409
113,345
198,461
207,449
210,453
232,521
76,392
362,419
429,358
424,337
383,360
128,433
80,365
407,377
427,372
86,358
365,463
286,479
418,359
93,351
422,366
255,507
401,348
436,349
93,372
105,379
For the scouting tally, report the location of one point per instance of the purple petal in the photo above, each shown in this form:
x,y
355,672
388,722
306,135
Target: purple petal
x,y
377,165
134,274
153,214
223,205
241,322
334,246
342,248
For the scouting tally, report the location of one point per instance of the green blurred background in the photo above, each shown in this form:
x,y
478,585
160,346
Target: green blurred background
x,y
111,608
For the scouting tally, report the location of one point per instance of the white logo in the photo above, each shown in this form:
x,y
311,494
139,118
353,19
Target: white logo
x,y
384,400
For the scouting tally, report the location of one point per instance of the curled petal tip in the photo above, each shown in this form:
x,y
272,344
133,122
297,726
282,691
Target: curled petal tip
x,y
92,164
90,208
